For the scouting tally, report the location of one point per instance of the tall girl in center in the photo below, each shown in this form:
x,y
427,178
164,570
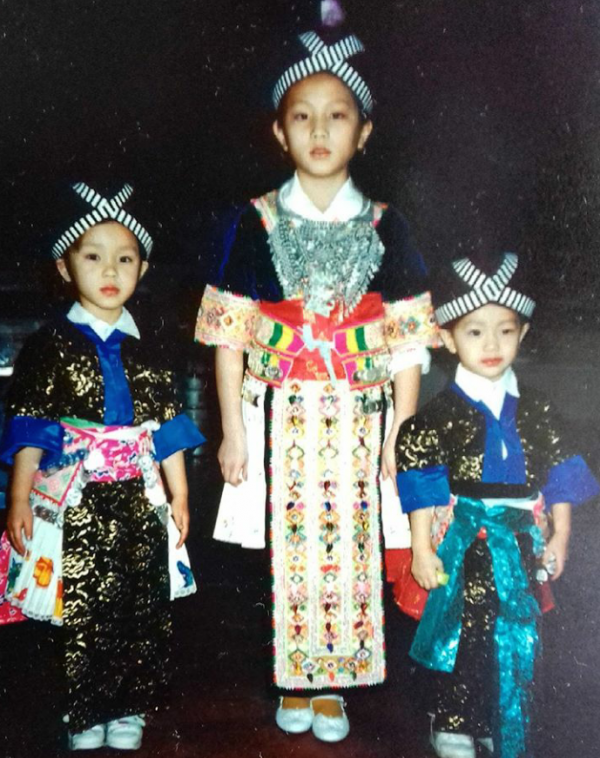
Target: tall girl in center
x,y
325,293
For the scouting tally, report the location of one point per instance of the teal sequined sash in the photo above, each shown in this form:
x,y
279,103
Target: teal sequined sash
x,y
516,638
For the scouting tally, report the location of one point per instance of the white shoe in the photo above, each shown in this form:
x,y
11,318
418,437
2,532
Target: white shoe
x,y
125,733
293,720
487,742
330,728
451,745
89,740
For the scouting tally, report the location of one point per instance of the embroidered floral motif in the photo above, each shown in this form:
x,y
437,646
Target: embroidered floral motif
x,y
90,454
411,321
327,583
295,534
225,319
43,571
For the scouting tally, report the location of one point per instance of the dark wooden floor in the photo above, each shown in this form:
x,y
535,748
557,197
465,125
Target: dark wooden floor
x,y
221,706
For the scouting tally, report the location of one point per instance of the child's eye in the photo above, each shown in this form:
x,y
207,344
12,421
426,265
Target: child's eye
x,y
474,332
300,116
338,115
91,257
126,259
508,330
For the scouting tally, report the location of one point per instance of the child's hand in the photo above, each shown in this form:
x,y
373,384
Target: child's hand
x,y
388,460
233,459
19,521
426,568
557,550
558,546
181,517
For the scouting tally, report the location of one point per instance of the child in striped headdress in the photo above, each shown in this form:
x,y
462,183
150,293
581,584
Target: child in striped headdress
x,y
92,419
325,293
480,468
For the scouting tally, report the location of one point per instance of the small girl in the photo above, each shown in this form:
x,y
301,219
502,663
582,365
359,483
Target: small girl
x,y
90,417
326,294
471,466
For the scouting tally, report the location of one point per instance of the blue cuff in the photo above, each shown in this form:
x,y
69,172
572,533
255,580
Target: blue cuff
x,y
422,488
29,431
570,482
180,433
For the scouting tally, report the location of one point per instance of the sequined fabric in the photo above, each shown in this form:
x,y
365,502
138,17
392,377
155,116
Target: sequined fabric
x,y
116,618
515,634
451,432
115,558
465,701
58,374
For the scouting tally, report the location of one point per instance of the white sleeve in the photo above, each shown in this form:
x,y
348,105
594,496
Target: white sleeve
x,y
411,355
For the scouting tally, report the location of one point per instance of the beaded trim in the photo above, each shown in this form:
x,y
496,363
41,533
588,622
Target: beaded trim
x,y
411,322
225,319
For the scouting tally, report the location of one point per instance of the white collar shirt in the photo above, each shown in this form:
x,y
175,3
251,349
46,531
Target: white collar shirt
x,y
125,323
483,390
348,203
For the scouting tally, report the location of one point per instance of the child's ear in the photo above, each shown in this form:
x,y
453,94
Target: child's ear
x,y
61,265
280,135
448,340
365,133
143,268
524,330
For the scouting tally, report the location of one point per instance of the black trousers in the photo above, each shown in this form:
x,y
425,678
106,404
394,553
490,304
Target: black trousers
x,y
465,701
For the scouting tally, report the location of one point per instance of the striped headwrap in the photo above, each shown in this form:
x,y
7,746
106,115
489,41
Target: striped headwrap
x,y
467,285
90,207
316,56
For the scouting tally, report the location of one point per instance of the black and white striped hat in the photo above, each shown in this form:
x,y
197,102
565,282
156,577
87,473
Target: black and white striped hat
x,y
89,207
326,51
470,283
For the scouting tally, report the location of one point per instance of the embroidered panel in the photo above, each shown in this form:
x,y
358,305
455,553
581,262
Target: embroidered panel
x,y
411,322
225,319
362,338
367,370
275,346
266,207
328,616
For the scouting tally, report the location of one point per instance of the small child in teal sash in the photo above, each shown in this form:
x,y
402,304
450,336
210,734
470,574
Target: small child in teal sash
x,y
483,470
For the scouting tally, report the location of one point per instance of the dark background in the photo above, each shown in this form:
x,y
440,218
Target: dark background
x,y
486,128
487,136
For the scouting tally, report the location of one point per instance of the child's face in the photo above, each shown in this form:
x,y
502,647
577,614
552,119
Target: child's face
x,y
486,340
105,269
321,127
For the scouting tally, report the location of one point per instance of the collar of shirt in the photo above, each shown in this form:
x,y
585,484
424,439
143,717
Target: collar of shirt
x,y
483,390
348,203
125,323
